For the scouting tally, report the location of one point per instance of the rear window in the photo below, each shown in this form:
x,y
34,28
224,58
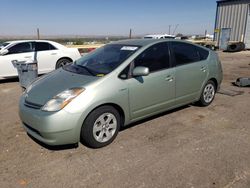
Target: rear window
x,y
43,46
184,53
202,53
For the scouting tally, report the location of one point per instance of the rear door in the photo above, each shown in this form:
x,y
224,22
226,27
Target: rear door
x,y
47,56
191,70
155,92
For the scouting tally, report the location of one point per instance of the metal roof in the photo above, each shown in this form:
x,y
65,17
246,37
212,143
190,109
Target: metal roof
x,y
225,1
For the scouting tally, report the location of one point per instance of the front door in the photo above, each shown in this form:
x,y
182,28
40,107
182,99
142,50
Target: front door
x,y
155,92
46,56
21,52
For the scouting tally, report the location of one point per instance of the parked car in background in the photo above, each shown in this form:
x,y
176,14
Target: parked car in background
x,y
115,85
49,55
159,36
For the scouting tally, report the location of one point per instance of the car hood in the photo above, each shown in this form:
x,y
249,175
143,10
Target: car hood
x,y
48,86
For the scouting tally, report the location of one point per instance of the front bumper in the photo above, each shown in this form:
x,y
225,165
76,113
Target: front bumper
x,y
51,128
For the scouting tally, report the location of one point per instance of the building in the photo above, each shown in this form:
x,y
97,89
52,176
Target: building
x,y
232,21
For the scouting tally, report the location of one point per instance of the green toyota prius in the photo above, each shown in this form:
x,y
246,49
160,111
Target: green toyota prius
x,y
115,85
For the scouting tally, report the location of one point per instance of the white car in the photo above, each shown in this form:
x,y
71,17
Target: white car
x,y
49,55
160,36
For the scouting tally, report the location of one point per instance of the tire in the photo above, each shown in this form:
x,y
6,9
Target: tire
x,y
209,47
207,94
236,47
62,62
101,127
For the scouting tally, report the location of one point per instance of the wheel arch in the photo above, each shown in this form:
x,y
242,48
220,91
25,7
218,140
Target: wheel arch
x,y
68,58
205,82
215,82
116,106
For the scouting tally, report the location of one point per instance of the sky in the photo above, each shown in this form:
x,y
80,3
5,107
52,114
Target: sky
x,y
106,17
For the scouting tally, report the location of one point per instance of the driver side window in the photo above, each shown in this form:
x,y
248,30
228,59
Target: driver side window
x,y
155,57
23,47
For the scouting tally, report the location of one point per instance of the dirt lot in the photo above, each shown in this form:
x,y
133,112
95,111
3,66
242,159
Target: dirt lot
x,y
188,147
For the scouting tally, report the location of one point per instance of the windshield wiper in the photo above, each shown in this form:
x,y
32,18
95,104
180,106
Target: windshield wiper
x,y
87,69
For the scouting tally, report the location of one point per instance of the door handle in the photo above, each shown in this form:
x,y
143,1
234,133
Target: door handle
x,y
169,78
53,53
27,57
203,69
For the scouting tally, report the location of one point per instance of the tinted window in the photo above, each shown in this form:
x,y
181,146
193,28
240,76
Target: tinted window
x,y
155,57
21,48
184,53
202,53
43,46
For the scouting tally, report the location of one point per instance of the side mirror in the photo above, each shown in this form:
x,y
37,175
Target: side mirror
x,y
140,71
4,52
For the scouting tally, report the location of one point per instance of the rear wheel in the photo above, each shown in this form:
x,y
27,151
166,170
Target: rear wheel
x,y
62,62
208,94
101,127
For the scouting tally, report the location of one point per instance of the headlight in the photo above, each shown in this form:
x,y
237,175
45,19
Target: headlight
x,y
62,99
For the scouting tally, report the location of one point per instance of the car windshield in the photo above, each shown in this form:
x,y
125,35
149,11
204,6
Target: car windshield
x,y
105,59
2,45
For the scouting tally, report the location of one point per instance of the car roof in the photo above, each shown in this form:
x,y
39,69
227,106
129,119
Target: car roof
x,y
57,45
146,42
140,42
18,41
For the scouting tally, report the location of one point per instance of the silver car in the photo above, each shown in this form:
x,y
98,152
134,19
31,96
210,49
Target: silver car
x,y
116,85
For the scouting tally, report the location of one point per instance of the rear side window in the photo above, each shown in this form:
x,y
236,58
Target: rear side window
x,y
184,53
155,57
23,47
202,53
43,46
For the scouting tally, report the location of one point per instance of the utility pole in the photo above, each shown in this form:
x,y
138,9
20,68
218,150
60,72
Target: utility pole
x,y
205,33
38,33
169,29
130,33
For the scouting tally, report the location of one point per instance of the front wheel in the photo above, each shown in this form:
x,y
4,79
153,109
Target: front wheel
x,y
208,94
101,127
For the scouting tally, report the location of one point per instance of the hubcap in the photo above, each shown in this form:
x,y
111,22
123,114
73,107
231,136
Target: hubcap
x,y
63,63
208,93
104,127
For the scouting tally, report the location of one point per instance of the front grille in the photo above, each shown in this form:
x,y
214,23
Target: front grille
x,y
32,105
32,129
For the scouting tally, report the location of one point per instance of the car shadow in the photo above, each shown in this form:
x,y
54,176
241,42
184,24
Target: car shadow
x,y
155,117
54,148
9,80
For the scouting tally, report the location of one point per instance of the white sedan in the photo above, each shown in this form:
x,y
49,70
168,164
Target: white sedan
x,y
49,55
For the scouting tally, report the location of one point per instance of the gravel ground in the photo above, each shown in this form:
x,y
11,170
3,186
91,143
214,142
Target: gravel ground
x,y
188,147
